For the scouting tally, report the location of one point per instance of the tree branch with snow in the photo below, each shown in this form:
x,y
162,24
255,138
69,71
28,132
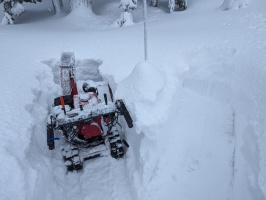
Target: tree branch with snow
x,y
13,8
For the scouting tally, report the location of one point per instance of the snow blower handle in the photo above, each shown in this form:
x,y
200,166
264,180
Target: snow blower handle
x,y
105,98
62,101
50,133
122,108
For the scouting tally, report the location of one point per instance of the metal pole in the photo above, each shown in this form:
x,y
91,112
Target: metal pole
x,y
145,29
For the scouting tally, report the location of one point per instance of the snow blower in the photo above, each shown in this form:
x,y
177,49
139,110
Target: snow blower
x,y
87,120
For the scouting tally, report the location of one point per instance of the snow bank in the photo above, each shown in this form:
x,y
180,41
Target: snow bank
x,y
25,163
249,101
148,93
172,156
142,90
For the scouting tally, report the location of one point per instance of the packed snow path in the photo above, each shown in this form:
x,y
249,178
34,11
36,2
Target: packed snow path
x,y
101,179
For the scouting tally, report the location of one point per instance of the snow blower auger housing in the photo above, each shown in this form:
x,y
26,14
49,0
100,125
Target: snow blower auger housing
x,y
87,117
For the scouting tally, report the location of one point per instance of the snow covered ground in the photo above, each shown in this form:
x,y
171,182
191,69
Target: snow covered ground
x,y
198,105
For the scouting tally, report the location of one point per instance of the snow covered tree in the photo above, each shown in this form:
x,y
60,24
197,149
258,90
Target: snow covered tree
x,y
154,3
126,18
13,8
76,4
181,4
58,6
231,4
7,13
128,5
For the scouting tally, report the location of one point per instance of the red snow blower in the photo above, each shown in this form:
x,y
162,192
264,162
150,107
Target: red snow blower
x,y
87,118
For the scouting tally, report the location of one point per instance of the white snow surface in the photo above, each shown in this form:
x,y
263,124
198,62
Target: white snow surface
x,y
198,103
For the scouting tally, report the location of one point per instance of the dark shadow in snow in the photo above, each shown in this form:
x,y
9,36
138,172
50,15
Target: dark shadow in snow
x,y
33,16
103,7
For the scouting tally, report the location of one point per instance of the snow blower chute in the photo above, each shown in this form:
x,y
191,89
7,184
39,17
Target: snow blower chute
x,y
87,118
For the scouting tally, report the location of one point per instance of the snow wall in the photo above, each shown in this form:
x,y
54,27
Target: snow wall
x,y
26,167
220,91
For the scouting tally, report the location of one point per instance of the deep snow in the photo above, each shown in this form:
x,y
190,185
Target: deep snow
x,y
198,105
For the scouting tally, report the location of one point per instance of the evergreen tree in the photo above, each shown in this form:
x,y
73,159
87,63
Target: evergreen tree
x,y
7,13
128,5
126,17
154,3
76,4
58,6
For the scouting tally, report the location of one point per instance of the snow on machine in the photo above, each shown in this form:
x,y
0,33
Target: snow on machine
x,y
87,117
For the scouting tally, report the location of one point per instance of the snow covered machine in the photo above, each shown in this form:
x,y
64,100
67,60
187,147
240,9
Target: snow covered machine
x,y
86,117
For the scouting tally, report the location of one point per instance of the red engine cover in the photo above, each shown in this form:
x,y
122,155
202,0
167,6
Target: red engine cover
x,y
92,130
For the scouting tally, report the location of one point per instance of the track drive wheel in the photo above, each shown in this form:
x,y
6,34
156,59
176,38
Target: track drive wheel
x,y
71,159
116,145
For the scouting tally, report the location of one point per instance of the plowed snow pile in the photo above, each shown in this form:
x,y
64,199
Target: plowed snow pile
x,y
198,103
